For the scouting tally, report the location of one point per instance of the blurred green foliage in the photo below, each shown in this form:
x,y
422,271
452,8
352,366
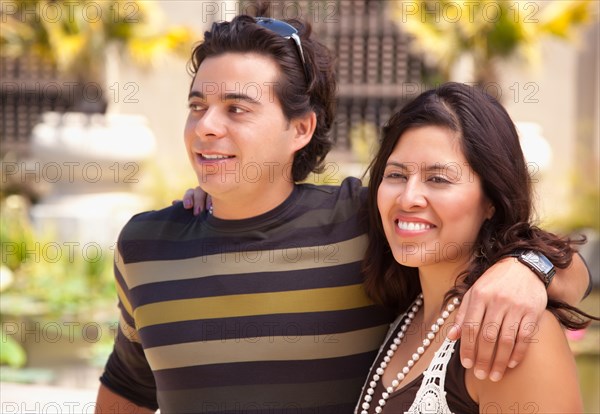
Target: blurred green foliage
x,y
49,277
76,35
488,30
11,352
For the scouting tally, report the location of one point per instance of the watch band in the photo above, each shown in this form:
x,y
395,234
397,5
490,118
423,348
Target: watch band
x,y
538,263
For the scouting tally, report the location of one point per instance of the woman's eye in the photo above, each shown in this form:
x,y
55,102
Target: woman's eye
x,y
394,176
438,180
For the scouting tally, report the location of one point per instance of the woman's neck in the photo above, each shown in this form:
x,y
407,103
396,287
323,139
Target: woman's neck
x,y
436,281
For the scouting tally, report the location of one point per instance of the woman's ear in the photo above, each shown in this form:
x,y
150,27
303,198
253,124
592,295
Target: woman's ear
x,y
490,211
304,128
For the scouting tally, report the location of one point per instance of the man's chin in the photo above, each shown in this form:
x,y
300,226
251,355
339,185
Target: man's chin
x,y
216,184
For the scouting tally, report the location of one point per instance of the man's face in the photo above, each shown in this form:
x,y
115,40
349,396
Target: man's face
x,y
238,140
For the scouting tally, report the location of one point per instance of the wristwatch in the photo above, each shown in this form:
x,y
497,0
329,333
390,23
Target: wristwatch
x,y
538,263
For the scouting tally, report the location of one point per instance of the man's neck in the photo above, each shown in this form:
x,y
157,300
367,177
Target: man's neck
x,y
241,206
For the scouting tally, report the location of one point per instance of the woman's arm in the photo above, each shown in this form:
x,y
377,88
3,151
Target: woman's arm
x,y
499,311
545,381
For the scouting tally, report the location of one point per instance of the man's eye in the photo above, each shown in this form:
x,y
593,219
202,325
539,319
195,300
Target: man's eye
x,y
195,107
237,110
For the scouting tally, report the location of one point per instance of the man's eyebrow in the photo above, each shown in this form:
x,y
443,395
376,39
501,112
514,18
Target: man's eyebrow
x,y
227,97
240,97
195,94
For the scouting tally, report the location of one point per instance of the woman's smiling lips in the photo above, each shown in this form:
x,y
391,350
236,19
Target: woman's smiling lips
x,y
412,226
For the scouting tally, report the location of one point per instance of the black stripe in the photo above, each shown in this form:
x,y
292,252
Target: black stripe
x,y
265,372
174,233
246,283
186,247
169,222
250,327
333,397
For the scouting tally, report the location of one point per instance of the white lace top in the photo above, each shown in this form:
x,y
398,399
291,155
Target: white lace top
x,y
431,397
434,388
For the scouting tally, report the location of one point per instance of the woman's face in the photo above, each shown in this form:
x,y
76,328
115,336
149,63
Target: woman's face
x,y
430,200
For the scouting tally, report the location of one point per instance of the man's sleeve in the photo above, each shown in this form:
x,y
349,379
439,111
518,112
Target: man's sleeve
x,y
127,372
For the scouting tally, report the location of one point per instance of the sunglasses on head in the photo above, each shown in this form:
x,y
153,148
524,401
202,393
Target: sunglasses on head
x,y
287,31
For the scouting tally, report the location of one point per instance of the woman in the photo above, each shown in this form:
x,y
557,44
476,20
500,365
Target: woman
x,y
449,194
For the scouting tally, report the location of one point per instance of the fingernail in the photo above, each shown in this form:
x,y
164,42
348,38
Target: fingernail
x,y
512,364
187,203
480,374
467,363
495,376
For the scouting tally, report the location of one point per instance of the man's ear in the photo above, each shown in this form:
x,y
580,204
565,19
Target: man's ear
x,y
304,128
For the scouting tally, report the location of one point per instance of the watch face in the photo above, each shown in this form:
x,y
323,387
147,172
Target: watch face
x,y
541,262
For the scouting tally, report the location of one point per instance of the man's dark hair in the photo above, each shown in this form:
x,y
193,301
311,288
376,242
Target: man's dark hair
x,y
297,94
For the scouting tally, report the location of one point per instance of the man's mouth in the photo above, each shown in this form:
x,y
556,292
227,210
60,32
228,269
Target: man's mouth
x,y
213,157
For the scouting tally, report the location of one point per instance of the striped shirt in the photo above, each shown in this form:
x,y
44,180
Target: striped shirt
x,y
261,315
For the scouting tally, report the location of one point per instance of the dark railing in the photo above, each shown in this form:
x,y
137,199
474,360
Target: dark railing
x,y
30,86
376,71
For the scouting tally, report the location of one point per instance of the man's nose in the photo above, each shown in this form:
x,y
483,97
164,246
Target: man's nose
x,y
211,124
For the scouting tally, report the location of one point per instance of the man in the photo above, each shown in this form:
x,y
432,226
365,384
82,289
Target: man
x,y
257,304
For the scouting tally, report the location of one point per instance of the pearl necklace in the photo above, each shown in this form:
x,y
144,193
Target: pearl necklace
x,y
410,316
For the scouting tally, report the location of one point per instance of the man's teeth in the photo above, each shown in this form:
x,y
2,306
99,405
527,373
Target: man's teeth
x,y
215,157
412,226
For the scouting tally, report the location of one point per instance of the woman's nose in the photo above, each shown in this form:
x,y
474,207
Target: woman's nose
x,y
413,194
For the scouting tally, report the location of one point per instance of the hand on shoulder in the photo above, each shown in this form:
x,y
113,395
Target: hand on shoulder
x,y
545,381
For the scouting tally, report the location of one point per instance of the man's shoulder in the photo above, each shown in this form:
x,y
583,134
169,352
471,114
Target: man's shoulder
x,y
340,208
171,214
350,187
149,224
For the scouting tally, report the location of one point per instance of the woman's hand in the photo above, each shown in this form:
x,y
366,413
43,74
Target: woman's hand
x,y
195,198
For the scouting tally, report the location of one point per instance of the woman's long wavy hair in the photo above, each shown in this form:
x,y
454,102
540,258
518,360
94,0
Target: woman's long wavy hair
x,y
491,146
